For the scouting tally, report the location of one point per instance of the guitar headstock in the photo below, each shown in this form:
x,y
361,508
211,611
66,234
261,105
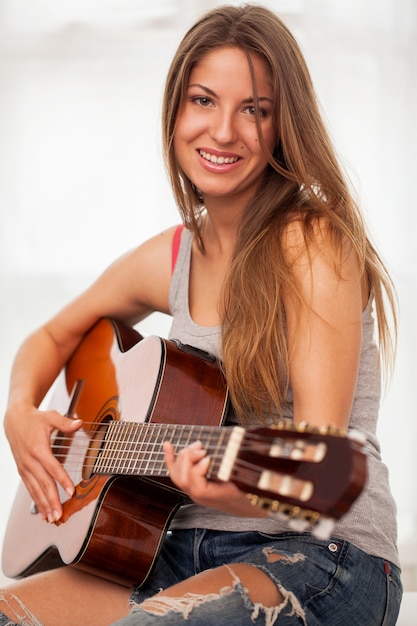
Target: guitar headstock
x,y
309,476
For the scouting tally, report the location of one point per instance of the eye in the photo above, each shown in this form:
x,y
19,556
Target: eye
x,y
202,101
250,110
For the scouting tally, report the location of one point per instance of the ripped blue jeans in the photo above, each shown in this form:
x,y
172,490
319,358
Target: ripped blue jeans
x,y
323,583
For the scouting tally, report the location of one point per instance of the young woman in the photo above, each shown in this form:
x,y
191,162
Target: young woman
x,y
276,277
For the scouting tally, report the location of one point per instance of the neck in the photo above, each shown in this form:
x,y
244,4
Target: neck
x,y
220,229
137,449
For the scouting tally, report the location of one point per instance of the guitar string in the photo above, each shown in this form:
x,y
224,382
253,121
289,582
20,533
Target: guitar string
x,y
61,451
283,433
139,450
68,442
64,443
123,464
155,463
139,447
160,464
207,430
133,452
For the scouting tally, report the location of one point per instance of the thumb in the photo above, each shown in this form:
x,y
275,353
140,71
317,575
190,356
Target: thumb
x,y
73,424
66,424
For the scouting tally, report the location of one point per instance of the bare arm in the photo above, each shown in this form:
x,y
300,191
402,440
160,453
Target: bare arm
x,y
131,288
324,338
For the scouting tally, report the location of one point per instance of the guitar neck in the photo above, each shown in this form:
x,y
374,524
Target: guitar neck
x,y
134,449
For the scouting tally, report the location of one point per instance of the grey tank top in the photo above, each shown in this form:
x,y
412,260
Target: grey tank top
x,y
371,522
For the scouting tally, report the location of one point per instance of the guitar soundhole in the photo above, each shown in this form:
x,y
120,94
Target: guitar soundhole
x,y
94,448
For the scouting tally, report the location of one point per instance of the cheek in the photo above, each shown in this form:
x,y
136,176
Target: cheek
x,y
182,150
269,136
187,126
180,138
271,139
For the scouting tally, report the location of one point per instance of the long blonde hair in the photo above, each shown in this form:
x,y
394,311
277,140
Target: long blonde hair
x,y
303,178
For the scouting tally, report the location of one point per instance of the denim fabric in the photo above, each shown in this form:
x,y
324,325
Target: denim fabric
x,y
6,621
332,582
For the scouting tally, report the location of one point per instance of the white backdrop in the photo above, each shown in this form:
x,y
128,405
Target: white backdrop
x,y
81,178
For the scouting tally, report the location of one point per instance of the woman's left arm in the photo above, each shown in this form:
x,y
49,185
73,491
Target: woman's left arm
x,y
324,335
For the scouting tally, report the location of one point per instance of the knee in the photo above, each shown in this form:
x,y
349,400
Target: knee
x,y
13,612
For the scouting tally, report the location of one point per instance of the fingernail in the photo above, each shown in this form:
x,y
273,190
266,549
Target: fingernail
x,y
53,517
196,445
70,491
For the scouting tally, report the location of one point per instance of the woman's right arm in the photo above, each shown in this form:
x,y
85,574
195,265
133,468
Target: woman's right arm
x,y
129,290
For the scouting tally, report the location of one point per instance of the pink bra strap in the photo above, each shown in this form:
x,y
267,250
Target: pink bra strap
x,y
176,245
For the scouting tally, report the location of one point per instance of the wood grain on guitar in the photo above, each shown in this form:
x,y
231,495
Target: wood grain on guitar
x,y
132,394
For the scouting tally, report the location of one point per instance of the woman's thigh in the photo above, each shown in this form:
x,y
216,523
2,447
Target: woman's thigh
x,y
65,596
319,582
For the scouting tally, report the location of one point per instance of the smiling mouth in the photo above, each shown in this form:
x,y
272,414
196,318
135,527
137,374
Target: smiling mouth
x,y
219,160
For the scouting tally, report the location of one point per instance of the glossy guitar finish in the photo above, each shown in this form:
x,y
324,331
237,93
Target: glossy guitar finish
x,y
113,526
133,394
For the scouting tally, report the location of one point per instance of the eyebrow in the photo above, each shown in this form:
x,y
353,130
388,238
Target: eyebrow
x,y
213,93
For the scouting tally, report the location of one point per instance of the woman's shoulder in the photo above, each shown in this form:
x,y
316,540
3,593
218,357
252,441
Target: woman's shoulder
x,y
305,235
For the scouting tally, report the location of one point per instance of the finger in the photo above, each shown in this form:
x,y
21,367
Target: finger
x,y
42,489
196,451
188,468
59,475
169,454
56,421
202,466
52,464
42,472
71,425
186,456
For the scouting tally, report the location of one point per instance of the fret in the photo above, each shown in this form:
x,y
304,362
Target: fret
x,y
132,448
181,436
116,449
124,452
217,454
119,450
159,459
131,451
147,450
103,460
149,453
140,433
155,450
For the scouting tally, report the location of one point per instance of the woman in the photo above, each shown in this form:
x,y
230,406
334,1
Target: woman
x,y
275,275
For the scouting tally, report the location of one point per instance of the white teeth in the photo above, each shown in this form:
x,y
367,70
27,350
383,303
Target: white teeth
x,y
219,160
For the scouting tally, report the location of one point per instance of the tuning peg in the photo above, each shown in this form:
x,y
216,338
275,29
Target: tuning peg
x,y
358,436
299,525
323,529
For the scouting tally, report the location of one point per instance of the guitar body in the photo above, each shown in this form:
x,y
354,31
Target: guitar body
x,y
113,526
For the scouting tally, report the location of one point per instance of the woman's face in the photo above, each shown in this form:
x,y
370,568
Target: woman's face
x,y
216,138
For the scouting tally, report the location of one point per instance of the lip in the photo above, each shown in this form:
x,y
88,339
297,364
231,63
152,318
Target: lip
x,y
225,161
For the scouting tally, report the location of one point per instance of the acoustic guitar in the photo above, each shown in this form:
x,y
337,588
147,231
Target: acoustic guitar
x,y
134,393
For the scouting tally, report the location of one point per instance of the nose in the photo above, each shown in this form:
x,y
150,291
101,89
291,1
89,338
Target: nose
x,y
223,127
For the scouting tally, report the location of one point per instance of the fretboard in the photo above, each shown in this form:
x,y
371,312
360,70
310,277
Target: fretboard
x,y
132,448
